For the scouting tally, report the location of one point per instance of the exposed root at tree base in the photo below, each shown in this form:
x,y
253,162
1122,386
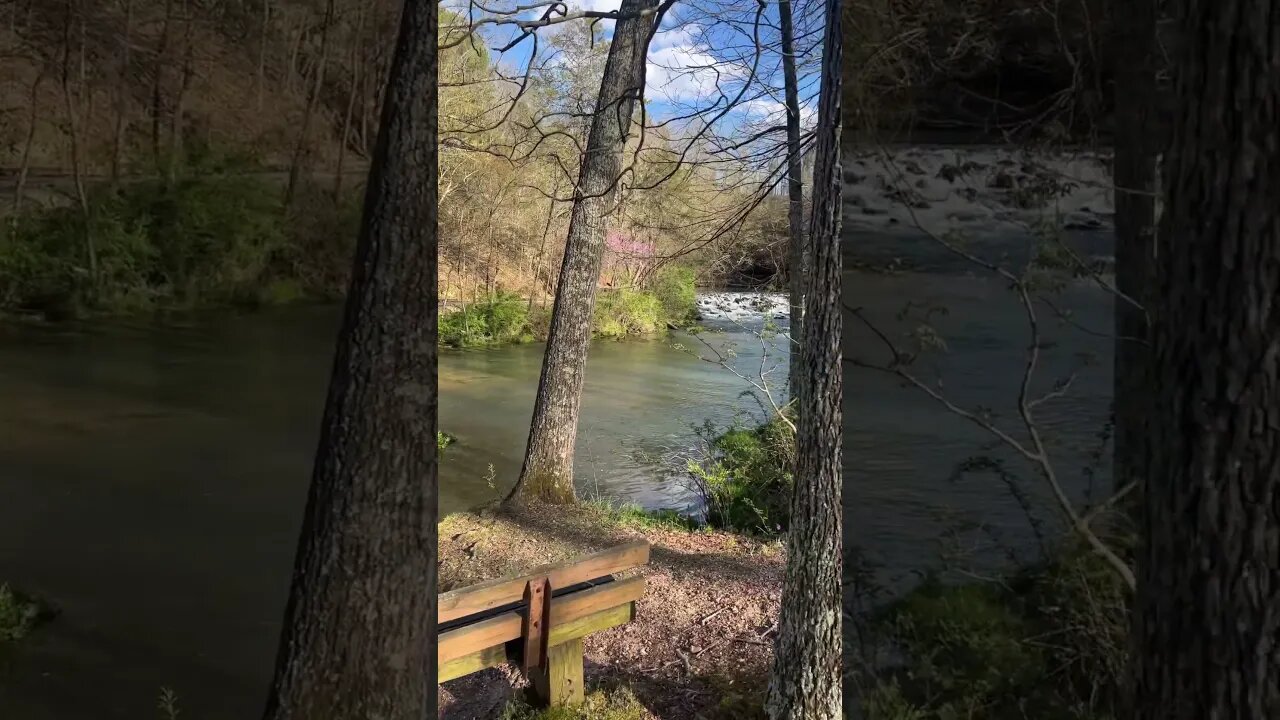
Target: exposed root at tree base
x,y
702,640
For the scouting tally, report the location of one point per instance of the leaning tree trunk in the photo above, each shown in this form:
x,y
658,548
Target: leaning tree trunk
x,y
1207,630
359,632
1136,148
795,196
548,462
805,684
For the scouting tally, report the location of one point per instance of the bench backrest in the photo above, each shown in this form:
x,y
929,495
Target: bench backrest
x,y
547,606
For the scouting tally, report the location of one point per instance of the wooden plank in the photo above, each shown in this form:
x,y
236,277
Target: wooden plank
x,y
475,662
594,623
495,593
478,636
536,620
500,654
559,683
564,610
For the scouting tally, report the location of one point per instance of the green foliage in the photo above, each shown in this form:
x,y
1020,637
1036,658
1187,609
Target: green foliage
x,y
614,704
746,481
673,285
1048,643
18,615
216,236
444,440
625,312
498,320
635,516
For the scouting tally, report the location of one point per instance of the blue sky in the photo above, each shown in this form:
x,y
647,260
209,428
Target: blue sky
x,y
694,58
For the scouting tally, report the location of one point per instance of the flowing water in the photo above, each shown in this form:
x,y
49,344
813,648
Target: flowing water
x,y
152,477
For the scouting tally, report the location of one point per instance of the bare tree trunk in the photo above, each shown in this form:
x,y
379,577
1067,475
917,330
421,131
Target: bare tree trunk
x,y
262,51
548,462
162,50
1136,149
795,197
295,167
122,95
351,103
73,132
359,636
20,189
1207,630
176,123
805,684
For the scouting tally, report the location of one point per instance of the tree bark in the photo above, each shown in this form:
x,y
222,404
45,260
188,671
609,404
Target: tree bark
x,y
1136,149
795,197
805,683
359,633
1207,629
548,462
295,167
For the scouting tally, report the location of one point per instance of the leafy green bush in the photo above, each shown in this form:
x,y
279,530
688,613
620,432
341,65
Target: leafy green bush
x,y
217,235
444,440
498,320
746,481
625,312
673,285
18,615
1047,643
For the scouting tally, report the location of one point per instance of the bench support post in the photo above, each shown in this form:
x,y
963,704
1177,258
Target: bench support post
x,y
558,682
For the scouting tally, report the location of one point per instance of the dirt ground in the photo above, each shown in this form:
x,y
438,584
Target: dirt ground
x,y
703,633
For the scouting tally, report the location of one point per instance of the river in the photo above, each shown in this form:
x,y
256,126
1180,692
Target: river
x,y
154,477
154,474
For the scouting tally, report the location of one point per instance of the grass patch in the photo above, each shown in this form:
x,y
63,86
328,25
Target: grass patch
x,y
502,319
634,516
745,481
614,704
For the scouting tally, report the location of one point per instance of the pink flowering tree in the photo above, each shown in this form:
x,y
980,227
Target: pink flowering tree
x,y
626,259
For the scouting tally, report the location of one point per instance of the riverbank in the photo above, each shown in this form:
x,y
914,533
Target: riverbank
x,y
702,640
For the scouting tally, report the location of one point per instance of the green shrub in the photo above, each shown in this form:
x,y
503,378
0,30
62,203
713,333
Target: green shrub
x,y
746,481
444,440
625,312
18,615
673,285
498,320
216,236
1049,643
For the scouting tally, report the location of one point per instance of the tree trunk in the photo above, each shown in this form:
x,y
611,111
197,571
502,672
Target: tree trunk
x,y
162,50
1136,149
548,462
262,51
351,104
805,684
359,636
795,197
180,103
122,95
20,189
73,131
295,167
1208,603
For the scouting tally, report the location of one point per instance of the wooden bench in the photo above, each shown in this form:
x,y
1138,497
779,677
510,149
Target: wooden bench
x,y
536,621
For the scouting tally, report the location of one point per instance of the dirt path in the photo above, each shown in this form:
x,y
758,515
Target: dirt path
x,y
701,643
